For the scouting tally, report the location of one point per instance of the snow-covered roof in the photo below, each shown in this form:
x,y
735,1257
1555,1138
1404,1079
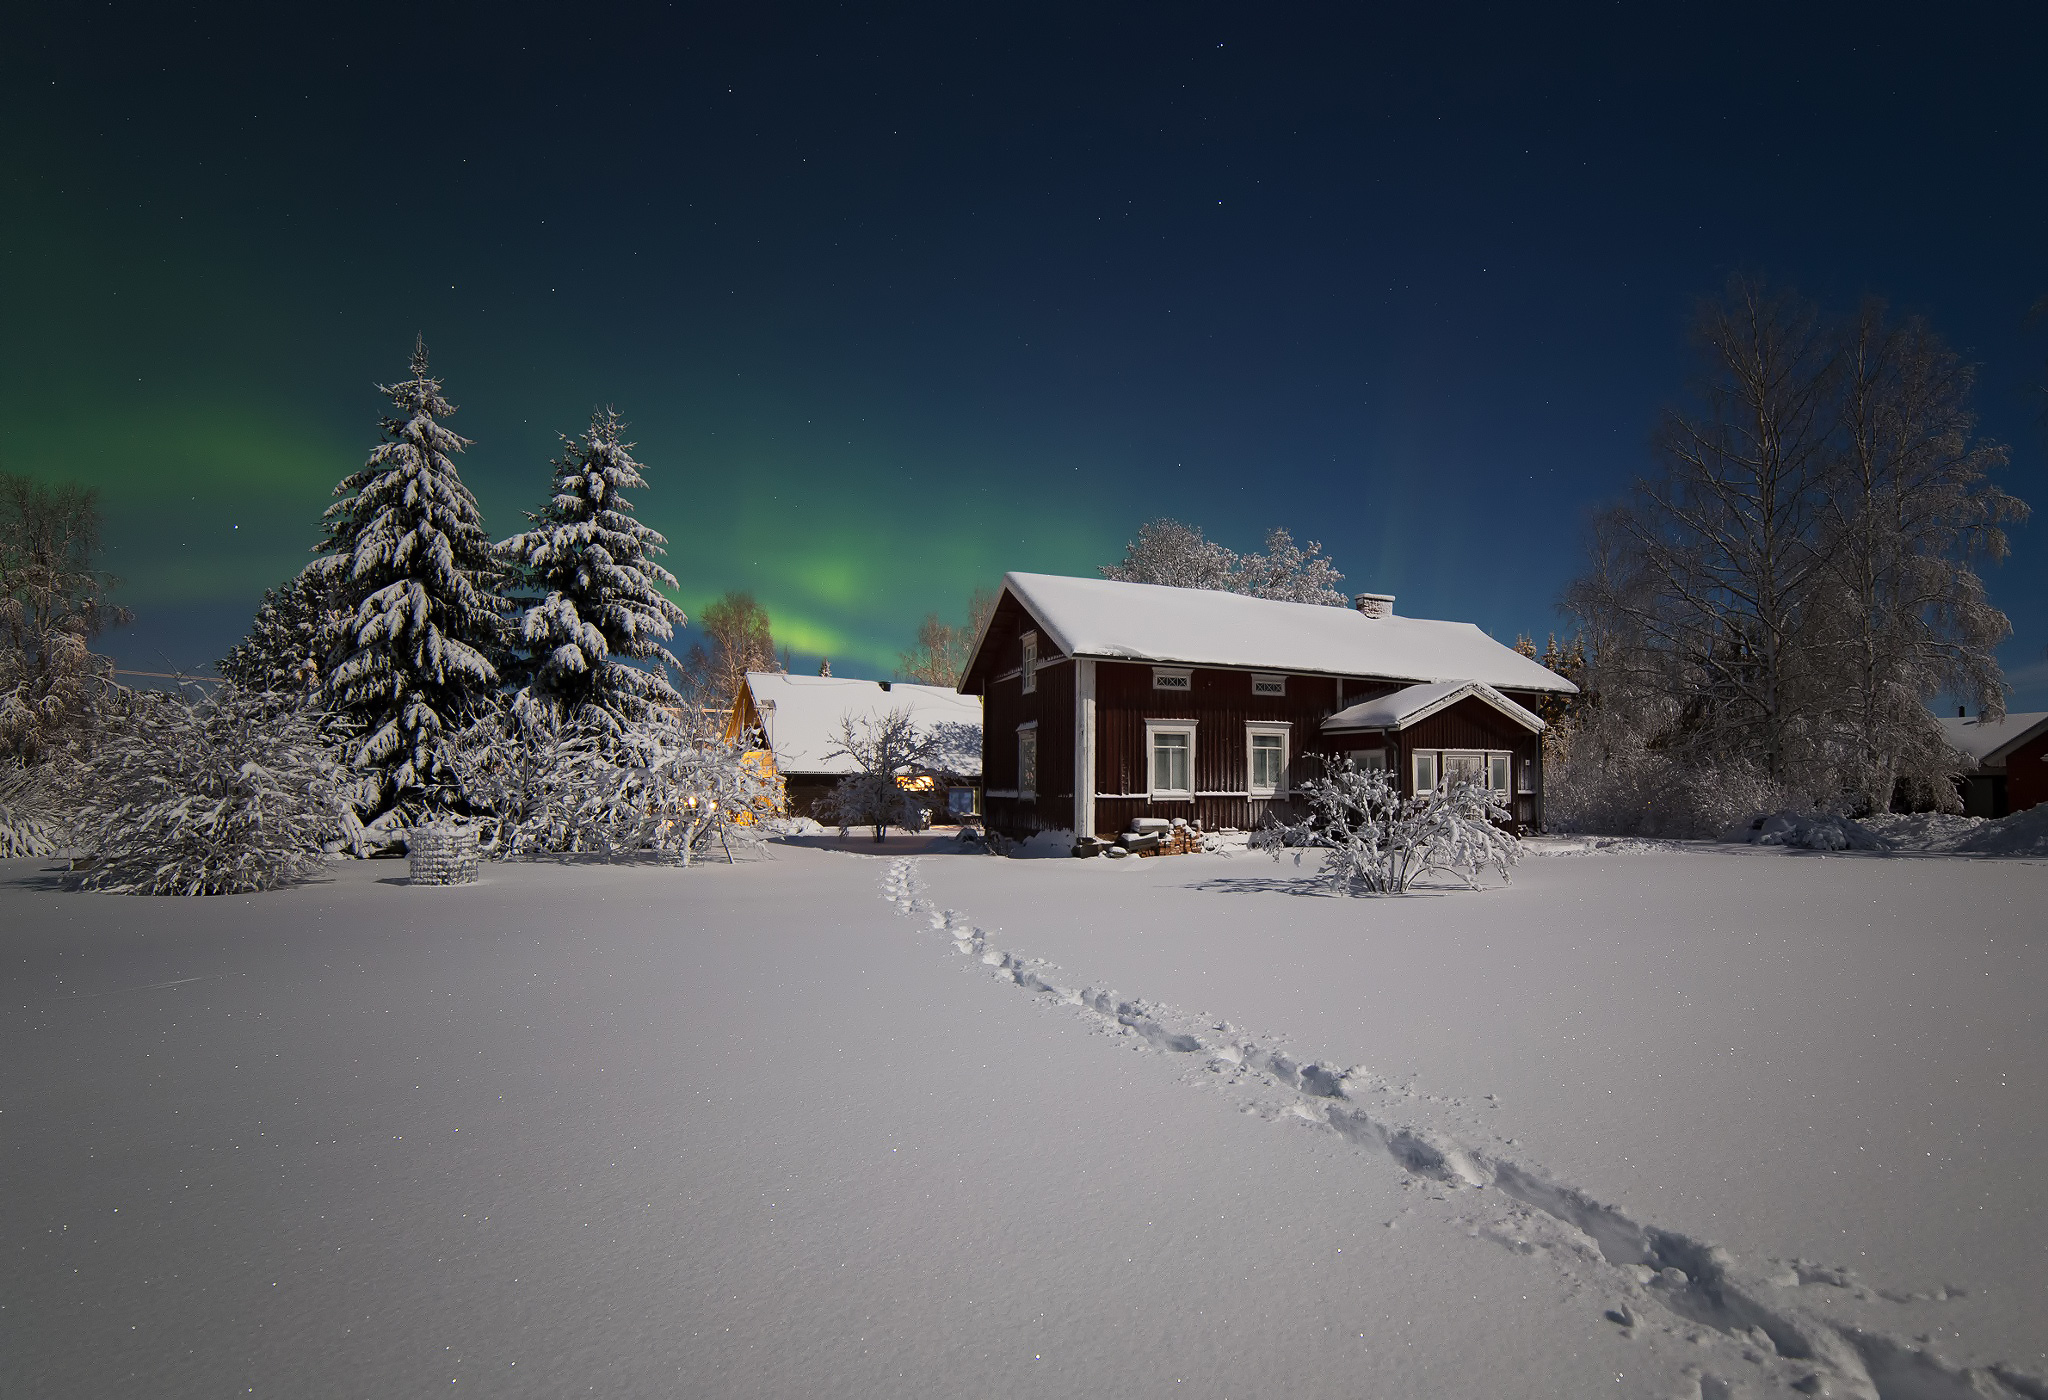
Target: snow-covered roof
x,y
1197,627
1986,741
1418,702
803,714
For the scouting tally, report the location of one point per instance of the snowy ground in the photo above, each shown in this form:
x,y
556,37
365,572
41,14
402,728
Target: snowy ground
x,y
825,1125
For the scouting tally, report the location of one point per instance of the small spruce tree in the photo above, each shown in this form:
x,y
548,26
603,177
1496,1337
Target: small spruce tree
x,y
592,589
415,579
291,633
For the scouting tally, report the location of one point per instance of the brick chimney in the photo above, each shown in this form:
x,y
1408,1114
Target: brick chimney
x,y
1375,604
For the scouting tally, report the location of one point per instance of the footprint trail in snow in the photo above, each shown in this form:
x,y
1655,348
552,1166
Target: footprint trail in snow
x,y
1753,1338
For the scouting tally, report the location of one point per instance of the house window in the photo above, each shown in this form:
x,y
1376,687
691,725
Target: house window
x,y
1027,760
1368,760
1498,766
1173,760
1266,756
1269,685
1464,767
1173,678
1028,663
1425,772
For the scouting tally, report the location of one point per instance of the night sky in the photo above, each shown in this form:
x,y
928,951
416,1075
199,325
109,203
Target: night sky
x,y
898,301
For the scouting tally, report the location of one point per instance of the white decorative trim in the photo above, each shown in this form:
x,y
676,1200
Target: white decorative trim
x,y
1084,747
1178,679
1267,683
1154,728
1264,729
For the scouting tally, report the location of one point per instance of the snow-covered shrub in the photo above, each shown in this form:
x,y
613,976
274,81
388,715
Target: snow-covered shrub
x,y
1812,831
1604,779
31,823
664,787
883,749
222,795
1379,842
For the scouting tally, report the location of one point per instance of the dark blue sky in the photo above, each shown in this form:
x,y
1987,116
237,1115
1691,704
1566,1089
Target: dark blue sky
x,y
897,302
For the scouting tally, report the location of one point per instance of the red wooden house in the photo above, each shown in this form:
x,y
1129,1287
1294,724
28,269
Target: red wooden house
x,y
1104,702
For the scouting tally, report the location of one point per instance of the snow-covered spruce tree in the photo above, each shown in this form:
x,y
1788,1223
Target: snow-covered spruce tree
x,y
220,795
293,629
1379,842
587,575
415,578
53,602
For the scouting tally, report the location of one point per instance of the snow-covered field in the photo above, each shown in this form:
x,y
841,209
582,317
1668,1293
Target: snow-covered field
x,y
930,1123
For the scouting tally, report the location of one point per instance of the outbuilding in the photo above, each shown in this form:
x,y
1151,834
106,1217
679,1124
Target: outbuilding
x,y
798,722
1104,702
2008,761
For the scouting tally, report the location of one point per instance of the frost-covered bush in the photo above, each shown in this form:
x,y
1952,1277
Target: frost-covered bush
x,y
663,787
883,749
31,823
1379,842
1812,831
1605,780
222,795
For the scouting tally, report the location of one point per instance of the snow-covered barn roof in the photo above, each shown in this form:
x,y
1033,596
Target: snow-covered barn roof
x,y
1197,627
1416,703
1986,742
803,714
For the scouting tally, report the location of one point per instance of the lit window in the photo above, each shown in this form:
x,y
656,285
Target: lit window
x,y
1266,757
1027,762
1029,663
1173,760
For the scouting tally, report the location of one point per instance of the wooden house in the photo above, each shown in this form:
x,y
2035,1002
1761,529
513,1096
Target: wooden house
x,y
2008,761
797,723
1105,701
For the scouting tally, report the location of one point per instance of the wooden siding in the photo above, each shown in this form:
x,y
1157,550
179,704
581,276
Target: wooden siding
x,y
1221,703
1006,707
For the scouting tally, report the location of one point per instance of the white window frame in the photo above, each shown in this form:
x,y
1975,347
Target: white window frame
x,y
1285,734
1268,685
1154,728
1179,680
1505,762
1368,760
1027,666
1027,731
1435,761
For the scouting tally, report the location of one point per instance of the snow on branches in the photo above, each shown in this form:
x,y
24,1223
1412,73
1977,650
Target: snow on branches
x,y
224,795
416,578
883,749
664,787
594,589
1174,553
31,822
1379,842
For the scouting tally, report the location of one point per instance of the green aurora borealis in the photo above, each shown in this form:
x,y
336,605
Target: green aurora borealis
x,y
894,304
